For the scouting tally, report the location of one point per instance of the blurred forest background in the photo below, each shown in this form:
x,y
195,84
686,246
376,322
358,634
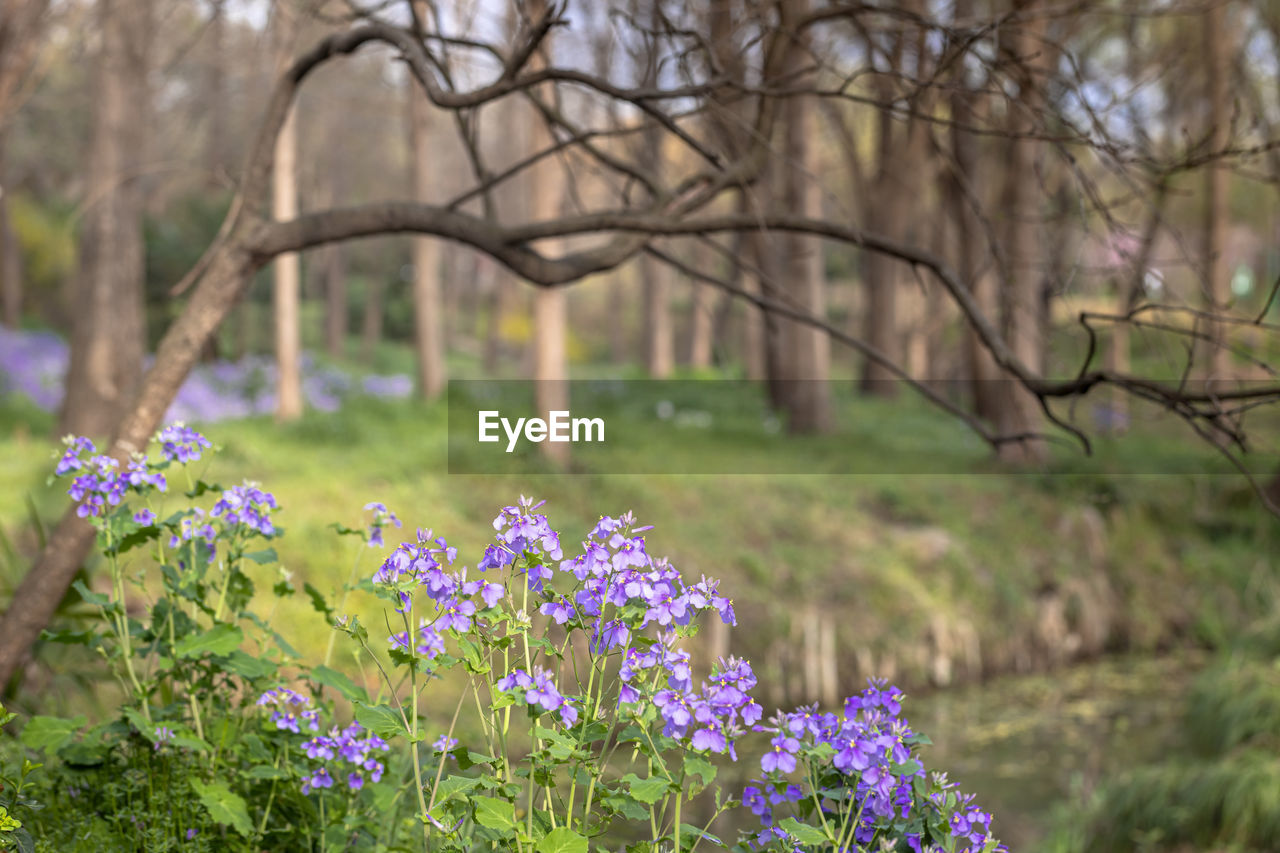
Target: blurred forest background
x,y
1035,242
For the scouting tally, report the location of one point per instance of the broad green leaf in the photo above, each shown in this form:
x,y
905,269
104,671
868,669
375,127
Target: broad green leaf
x,y
802,832
47,734
379,719
626,806
97,599
221,639
263,557
696,765
452,786
339,682
248,666
267,771
647,791
495,814
562,840
224,805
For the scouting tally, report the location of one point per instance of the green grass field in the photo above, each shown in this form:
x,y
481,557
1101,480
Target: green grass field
x,y
911,567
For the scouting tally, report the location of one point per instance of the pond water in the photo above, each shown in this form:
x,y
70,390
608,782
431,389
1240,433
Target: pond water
x,y
1028,745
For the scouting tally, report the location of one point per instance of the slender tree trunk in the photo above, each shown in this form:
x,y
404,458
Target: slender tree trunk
x,y
1020,413
550,304
371,325
656,277
702,319
659,333
217,152
428,333
807,365
287,268
287,280
10,253
1217,47
755,339
335,300
108,331
972,257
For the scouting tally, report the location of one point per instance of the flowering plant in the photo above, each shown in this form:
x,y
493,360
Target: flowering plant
x,y
587,720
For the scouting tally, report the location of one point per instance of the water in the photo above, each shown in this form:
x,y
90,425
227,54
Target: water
x,y
1030,745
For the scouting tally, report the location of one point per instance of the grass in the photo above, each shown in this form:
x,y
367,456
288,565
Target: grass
x,y
937,534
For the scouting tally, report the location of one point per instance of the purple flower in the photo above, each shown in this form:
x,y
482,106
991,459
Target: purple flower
x,y
781,757
180,443
382,517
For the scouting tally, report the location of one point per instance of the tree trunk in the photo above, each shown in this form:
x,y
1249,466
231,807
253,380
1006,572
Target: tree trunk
x,y
428,334
702,315
10,253
550,304
287,269
659,335
972,258
336,321
1217,295
893,206
1020,411
217,152
371,327
806,364
108,331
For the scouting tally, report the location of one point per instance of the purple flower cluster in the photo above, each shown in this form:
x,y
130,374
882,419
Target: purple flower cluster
x,y
291,708
615,569
180,443
99,482
190,528
247,507
869,745
424,566
539,690
382,517
352,745
35,364
710,718
521,531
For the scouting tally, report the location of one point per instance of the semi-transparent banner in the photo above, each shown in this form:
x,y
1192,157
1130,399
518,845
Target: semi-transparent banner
x,y
723,427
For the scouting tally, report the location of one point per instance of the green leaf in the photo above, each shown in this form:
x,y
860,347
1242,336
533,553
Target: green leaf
x,y
907,768
495,814
695,765
248,666
141,536
97,599
647,791
379,719
562,840
224,805
263,557
452,786
339,682
802,832
48,734
221,639
471,654
201,487
319,602
626,806
267,771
